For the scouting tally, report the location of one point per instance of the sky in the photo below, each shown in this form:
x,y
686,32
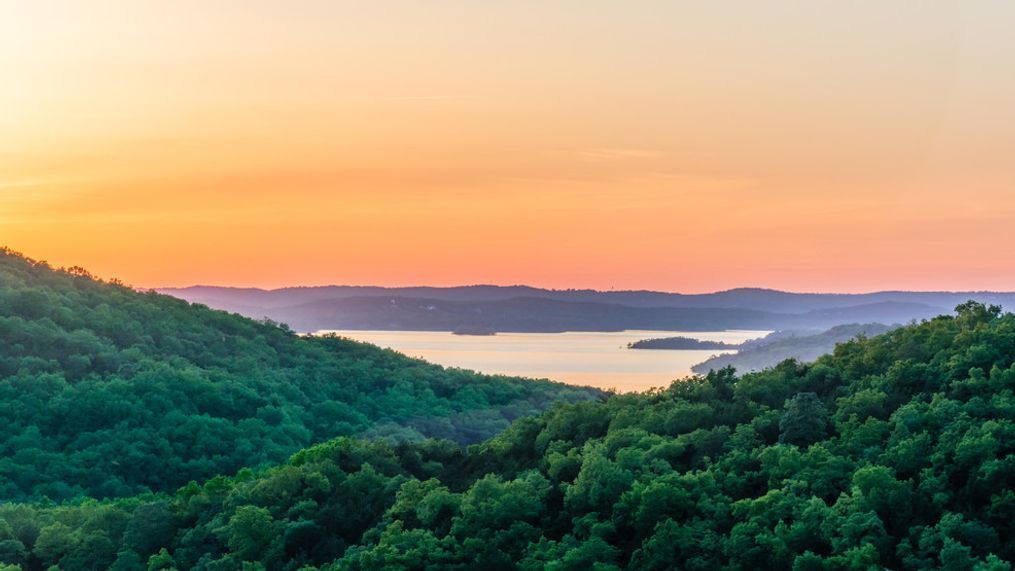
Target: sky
x,y
688,146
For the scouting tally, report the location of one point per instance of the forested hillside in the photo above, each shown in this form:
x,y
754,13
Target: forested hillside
x,y
768,351
893,452
106,392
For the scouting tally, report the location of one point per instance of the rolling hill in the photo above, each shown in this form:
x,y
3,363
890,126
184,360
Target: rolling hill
x,y
106,391
894,452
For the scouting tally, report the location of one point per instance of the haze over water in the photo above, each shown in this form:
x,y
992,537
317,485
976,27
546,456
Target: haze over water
x,y
599,359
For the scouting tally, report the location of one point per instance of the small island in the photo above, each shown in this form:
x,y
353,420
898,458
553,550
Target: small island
x,y
685,343
473,331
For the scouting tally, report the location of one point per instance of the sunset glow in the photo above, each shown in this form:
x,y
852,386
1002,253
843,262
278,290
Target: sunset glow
x,y
682,146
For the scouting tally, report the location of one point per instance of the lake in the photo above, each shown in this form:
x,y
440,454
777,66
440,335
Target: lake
x,y
599,359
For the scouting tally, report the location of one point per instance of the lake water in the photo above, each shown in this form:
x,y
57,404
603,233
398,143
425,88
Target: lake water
x,y
599,359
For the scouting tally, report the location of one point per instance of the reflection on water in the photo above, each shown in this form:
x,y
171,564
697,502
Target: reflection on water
x,y
599,359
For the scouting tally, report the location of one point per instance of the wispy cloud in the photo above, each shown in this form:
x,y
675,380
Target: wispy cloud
x,y
609,154
426,97
614,154
25,183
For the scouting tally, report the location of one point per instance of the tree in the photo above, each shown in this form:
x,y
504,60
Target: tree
x,y
804,421
151,526
55,541
251,531
161,561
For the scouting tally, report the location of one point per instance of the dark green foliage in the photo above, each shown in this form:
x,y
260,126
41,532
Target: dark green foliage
x,y
107,392
804,420
914,469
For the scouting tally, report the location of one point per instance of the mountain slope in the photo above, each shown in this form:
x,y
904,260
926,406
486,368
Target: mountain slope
x,y
775,348
108,392
894,452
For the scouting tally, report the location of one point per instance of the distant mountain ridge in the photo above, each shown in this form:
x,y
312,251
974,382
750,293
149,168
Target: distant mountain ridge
x,y
530,309
751,298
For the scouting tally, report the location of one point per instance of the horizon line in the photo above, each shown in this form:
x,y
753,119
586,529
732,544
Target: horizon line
x,y
579,289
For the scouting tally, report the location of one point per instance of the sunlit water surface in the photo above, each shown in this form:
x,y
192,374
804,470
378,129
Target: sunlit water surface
x,y
599,359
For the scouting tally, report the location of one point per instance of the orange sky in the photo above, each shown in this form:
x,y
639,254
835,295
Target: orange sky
x,y
682,146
